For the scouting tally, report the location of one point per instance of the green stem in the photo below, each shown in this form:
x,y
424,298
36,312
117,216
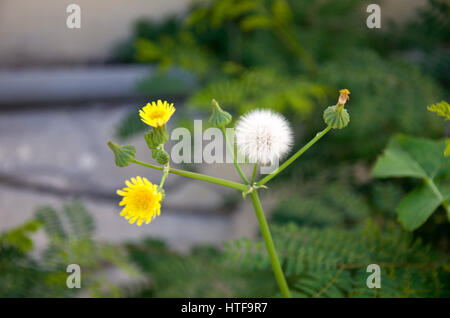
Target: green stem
x,y
294,156
439,195
198,176
255,167
231,150
166,172
279,276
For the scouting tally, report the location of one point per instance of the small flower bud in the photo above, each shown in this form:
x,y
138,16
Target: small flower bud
x,y
219,118
337,116
156,136
161,156
122,154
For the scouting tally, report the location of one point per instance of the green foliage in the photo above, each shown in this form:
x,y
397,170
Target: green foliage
x,y
70,241
332,262
416,158
447,148
263,88
20,237
423,39
326,205
175,51
387,98
385,196
441,109
199,274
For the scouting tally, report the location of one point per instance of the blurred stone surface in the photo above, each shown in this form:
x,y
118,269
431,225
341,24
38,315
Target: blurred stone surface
x,y
65,149
70,83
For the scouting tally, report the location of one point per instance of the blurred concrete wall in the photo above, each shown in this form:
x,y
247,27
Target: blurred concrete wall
x,y
35,32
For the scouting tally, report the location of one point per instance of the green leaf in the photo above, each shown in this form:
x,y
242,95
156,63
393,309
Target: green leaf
x,y
447,148
20,236
441,109
254,22
417,207
281,11
410,157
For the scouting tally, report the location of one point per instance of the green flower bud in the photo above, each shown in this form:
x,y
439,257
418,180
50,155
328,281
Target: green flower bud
x,y
151,141
156,136
336,117
161,156
122,154
219,117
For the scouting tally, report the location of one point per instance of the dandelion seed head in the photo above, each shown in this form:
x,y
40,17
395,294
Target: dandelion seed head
x,y
263,136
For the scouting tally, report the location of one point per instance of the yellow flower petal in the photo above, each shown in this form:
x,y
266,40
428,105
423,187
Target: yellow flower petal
x,y
141,200
156,114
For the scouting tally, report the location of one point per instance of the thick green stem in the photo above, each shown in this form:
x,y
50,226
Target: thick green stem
x,y
439,195
293,157
232,153
198,176
255,167
279,276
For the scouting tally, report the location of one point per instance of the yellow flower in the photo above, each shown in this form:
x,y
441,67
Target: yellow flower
x,y
141,199
157,114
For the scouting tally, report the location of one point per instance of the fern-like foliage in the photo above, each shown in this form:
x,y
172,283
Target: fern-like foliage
x,y
199,274
334,204
332,262
385,196
389,97
427,35
70,235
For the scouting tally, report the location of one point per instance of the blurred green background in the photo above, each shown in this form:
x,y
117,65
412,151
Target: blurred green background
x,y
329,216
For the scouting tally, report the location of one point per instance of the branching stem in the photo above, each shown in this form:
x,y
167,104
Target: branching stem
x,y
198,176
294,156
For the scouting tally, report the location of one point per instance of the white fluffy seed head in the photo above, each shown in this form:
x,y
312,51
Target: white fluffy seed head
x,y
263,136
